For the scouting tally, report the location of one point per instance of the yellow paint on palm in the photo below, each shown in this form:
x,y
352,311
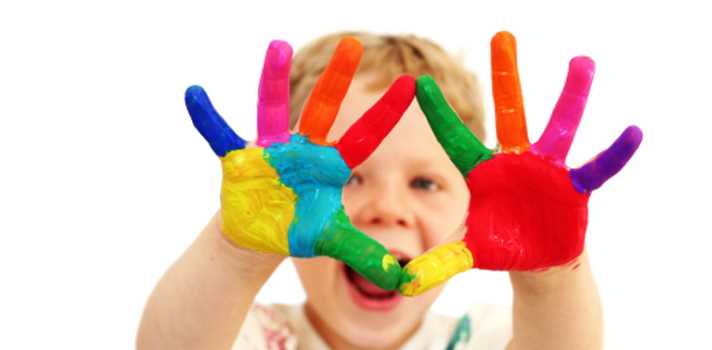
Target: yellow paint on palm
x,y
435,267
257,207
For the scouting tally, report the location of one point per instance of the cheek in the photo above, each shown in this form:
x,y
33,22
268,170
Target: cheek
x,y
348,199
442,217
353,198
316,274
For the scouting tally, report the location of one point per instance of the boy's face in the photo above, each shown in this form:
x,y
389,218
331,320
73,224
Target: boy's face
x,y
409,197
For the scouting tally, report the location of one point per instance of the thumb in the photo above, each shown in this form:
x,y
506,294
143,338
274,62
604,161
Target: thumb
x,y
435,267
342,241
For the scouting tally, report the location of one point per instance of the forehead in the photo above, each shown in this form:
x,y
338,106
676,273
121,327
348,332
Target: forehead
x,y
410,138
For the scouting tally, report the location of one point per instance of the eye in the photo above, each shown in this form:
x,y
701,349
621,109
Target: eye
x,y
354,180
424,183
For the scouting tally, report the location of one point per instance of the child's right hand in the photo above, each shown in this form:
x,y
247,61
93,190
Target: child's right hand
x,y
284,195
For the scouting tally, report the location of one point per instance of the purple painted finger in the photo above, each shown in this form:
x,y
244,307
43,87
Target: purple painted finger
x,y
556,140
273,95
609,162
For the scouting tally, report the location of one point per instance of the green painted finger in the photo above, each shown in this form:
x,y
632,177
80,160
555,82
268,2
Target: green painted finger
x,y
463,147
342,241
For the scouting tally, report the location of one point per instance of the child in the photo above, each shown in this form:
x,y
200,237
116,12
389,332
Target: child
x,y
409,197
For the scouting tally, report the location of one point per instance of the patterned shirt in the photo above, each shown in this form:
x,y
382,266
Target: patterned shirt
x,y
286,327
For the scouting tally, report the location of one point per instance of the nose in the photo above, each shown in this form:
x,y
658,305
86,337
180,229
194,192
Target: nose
x,y
387,206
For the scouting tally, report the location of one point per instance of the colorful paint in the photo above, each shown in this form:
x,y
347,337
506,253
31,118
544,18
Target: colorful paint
x,y
257,207
285,195
528,211
273,95
316,174
463,148
435,267
507,92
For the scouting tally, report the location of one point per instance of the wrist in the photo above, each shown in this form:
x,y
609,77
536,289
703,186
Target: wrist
x,y
545,281
244,261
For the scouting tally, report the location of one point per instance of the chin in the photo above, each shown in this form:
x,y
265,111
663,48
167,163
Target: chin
x,y
345,305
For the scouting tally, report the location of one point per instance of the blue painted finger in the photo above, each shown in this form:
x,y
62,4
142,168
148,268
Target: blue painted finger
x,y
210,124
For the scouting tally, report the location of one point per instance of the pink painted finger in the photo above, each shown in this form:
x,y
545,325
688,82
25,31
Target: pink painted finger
x,y
273,95
364,136
556,140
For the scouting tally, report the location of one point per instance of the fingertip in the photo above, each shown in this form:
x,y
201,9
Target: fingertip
x,y
628,142
280,46
502,38
197,102
583,63
194,92
406,83
279,56
634,135
403,90
580,77
350,47
427,88
503,52
425,80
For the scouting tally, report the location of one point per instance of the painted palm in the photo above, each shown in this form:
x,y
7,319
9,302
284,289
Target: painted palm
x,y
284,195
528,210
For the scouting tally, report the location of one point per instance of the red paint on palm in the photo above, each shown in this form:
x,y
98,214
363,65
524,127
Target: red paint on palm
x,y
524,214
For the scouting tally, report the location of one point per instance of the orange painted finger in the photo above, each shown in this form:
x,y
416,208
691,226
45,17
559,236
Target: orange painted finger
x,y
323,104
508,101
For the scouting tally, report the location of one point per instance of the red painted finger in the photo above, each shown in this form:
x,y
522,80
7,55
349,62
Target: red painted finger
x,y
362,138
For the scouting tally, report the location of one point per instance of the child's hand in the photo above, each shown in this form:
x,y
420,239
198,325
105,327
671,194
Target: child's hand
x,y
528,210
285,196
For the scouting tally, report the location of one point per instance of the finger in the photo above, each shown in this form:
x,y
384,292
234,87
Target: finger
x,y
323,104
273,95
508,102
435,267
362,138
597,171
342,241
210,124
556,140
463,147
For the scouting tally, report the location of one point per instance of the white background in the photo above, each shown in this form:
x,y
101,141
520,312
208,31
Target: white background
x,y
104,182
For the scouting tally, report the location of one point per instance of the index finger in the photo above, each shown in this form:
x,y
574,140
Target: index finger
x,y
462,147
508,101
364,136
325,99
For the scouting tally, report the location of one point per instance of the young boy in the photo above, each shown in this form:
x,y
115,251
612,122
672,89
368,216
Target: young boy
x,y
409,197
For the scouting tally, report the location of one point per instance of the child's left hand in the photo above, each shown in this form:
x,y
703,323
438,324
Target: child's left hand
x,y
528,210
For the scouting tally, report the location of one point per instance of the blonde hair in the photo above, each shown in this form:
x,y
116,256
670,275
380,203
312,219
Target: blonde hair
x,y
391,56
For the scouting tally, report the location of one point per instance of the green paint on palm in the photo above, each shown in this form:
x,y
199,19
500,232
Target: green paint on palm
x,y
341,240
463,148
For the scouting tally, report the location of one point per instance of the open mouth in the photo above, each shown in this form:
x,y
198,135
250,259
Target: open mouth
x,y
368,295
